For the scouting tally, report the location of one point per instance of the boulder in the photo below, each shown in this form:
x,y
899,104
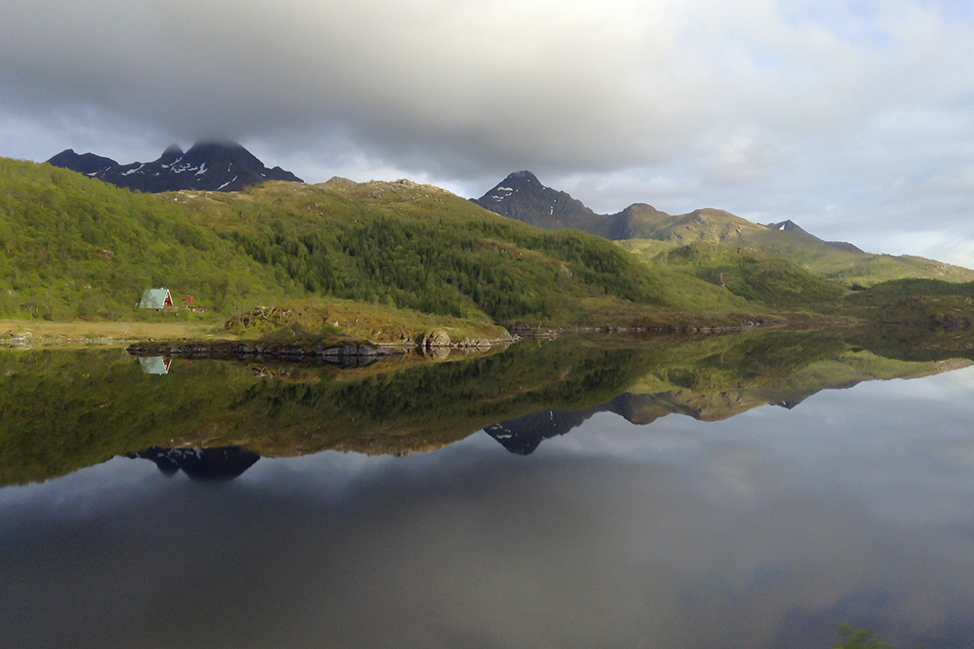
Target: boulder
x,y
436,339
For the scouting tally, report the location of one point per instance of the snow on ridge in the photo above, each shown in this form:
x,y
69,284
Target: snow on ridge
x,y
225,184
202,170
173,164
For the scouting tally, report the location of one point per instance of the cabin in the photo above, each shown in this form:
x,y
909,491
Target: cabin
x,y
155,298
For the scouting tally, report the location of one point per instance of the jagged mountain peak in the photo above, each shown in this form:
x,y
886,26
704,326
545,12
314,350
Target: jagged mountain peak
x,y
524,177
85,163
172,152
790,226
519,181
522,196
207,166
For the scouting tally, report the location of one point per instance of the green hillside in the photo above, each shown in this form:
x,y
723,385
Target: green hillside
x,y
746,272
918,301
819,257
646,222
851,268
420,247
76,247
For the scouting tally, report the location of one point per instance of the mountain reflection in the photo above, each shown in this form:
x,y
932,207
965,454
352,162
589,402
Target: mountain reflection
x,y
65,410
200,463
523,435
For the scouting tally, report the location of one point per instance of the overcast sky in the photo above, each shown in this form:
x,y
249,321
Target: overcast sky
x,y
853,118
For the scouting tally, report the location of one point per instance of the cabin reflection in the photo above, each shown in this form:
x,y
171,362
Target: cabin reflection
x,y
155,364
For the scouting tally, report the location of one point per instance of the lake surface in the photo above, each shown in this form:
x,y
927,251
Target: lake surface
x,y
652,493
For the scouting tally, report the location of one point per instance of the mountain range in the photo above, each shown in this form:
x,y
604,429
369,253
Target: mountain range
x,y
81,247
521,196
649,233
654,234
208,166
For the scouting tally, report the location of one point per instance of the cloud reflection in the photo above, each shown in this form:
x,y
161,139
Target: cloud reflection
x,y
762,531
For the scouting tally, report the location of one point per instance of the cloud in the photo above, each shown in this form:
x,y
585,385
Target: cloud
x,y
739,99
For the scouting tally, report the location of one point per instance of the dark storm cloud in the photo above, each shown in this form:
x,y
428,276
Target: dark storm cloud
x,y
429,77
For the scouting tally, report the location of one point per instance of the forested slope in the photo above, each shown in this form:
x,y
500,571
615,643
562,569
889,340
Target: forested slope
x,y
76,247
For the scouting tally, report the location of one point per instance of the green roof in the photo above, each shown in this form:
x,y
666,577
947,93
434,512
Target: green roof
x,y
155,298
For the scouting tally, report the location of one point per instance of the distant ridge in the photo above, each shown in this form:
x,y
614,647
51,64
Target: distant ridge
x,y
207,166
791,226
523,197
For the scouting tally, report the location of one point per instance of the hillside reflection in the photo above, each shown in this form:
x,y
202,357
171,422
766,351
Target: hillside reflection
x,y
65,410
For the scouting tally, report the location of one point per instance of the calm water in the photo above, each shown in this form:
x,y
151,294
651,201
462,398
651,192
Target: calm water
x,y
766,529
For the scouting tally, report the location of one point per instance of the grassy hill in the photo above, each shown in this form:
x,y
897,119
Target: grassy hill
x,y
419,247
76,247
918,301
746,272
850,268
822,258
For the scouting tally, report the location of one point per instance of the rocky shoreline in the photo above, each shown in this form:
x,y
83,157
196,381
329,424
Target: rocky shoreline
x,y
345,354
341,352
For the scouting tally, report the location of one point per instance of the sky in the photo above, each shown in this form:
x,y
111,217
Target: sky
x,y
853,118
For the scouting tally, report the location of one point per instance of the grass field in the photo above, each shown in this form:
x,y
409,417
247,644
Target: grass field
x,y
79,331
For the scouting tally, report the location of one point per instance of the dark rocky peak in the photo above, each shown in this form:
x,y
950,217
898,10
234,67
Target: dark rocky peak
x,y
171,155
517,187
790,226
521,196
85,163
206,166
225,463
524,179
221,152
523,435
